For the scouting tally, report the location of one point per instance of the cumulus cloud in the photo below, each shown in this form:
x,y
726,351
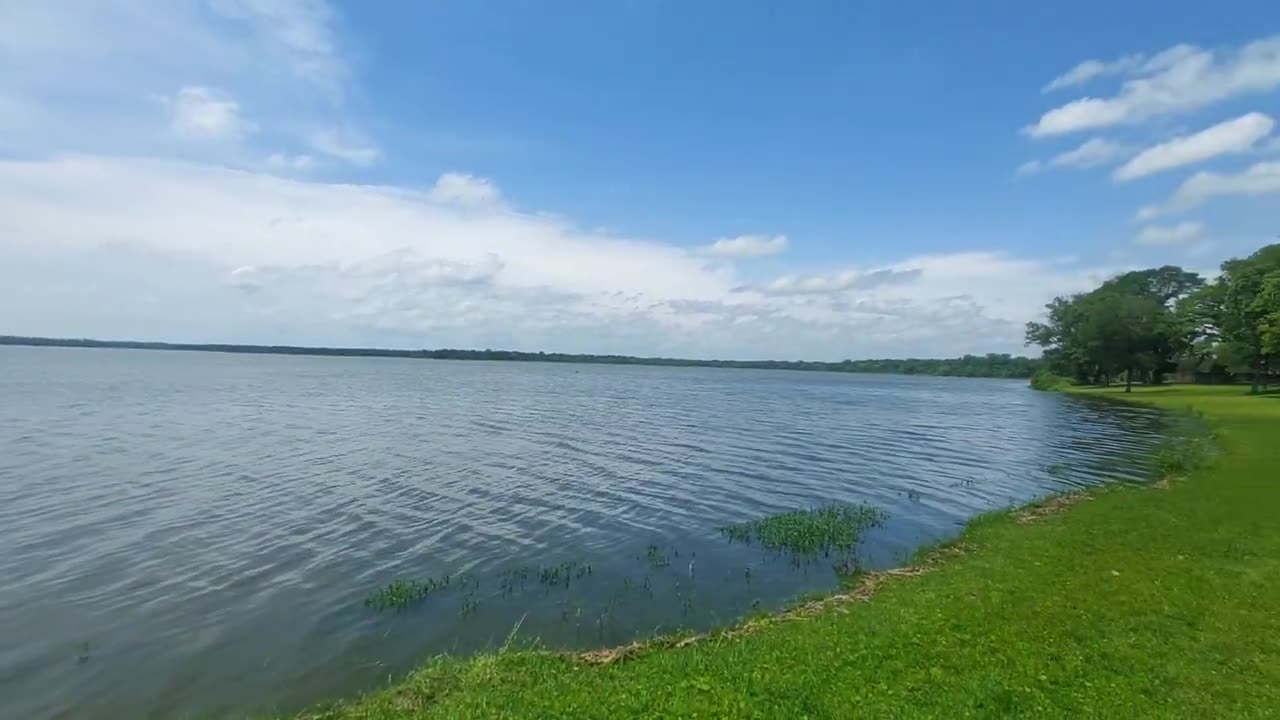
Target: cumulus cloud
x,y
298,32
1179,79
1092,153
1095,152
464,189
822,284
123,232
1165,235
1259,179
748,246
1030,167
201,113
235,219
101,65
1091,69
286,161
178,250
345,146
1227,137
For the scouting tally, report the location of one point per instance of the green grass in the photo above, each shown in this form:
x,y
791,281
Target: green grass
x,y
821,530
1144,601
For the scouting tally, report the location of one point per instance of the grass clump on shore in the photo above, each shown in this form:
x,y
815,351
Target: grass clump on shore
x,y
1179,457
1045,380
1133,601
1189,445
821,530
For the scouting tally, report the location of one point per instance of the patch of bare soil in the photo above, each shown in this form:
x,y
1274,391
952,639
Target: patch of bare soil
x,y
1050,507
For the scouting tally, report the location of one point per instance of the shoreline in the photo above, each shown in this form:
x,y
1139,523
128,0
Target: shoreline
x,y
979,366
1058,608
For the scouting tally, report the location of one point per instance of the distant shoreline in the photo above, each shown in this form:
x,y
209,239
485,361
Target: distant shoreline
x,y
990,366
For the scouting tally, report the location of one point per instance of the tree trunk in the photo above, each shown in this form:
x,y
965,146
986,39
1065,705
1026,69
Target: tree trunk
x,y
1128,380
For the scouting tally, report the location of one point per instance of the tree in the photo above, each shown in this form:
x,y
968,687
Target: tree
x,y
1269,304
1239,311
1066,352
1169,337
1165,284
1128,325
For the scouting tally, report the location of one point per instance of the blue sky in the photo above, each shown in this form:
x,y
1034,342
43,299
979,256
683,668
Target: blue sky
x,y
818,180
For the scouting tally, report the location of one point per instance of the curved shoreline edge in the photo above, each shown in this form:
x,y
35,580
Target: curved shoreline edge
x,y
1147,600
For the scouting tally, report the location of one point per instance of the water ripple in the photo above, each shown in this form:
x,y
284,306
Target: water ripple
x,y
192,533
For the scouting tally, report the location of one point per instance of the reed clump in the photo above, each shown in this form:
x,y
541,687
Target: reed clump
x,y
834,527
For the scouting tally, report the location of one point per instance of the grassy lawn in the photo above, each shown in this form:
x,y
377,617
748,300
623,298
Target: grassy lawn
x,y
1141,601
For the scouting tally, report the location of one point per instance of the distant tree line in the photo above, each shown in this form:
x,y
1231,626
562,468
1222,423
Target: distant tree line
x,y
1144,325
991,365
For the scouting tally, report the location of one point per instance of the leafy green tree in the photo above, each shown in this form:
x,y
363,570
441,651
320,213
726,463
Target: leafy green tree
x,y
1269,305
1066,351
1127,325
1239,312
1165,284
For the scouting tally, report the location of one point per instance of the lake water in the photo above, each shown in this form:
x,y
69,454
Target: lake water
x,y
194,534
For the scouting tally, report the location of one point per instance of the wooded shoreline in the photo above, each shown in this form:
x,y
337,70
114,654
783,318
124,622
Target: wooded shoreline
x,y
992,365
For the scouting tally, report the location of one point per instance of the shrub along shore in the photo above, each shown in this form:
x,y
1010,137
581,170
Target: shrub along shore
x,y
1156,600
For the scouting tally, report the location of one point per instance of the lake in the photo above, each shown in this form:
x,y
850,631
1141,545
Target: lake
x,y
194,534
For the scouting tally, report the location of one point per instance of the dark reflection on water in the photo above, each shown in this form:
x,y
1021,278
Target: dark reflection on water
x,y
194,534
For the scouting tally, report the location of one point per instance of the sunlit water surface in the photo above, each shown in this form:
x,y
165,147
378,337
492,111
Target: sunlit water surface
x,y
194,534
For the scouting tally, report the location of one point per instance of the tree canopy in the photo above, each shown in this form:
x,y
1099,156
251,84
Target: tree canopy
x,y
1145,324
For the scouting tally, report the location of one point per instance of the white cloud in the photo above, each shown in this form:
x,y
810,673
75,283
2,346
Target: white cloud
x,y
239,218
1259,179
230,241
1230,136
822,284
1179,79
201,113
67,67
464,189
286,161
345,146
1164,235
748,246
1169,57
112,247
299,32
1090,69
1030,167
1094,152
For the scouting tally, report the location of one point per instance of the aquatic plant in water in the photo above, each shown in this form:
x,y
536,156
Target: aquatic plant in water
x,y
1056,470
470,605
564,573
821,530
401,593
655,557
